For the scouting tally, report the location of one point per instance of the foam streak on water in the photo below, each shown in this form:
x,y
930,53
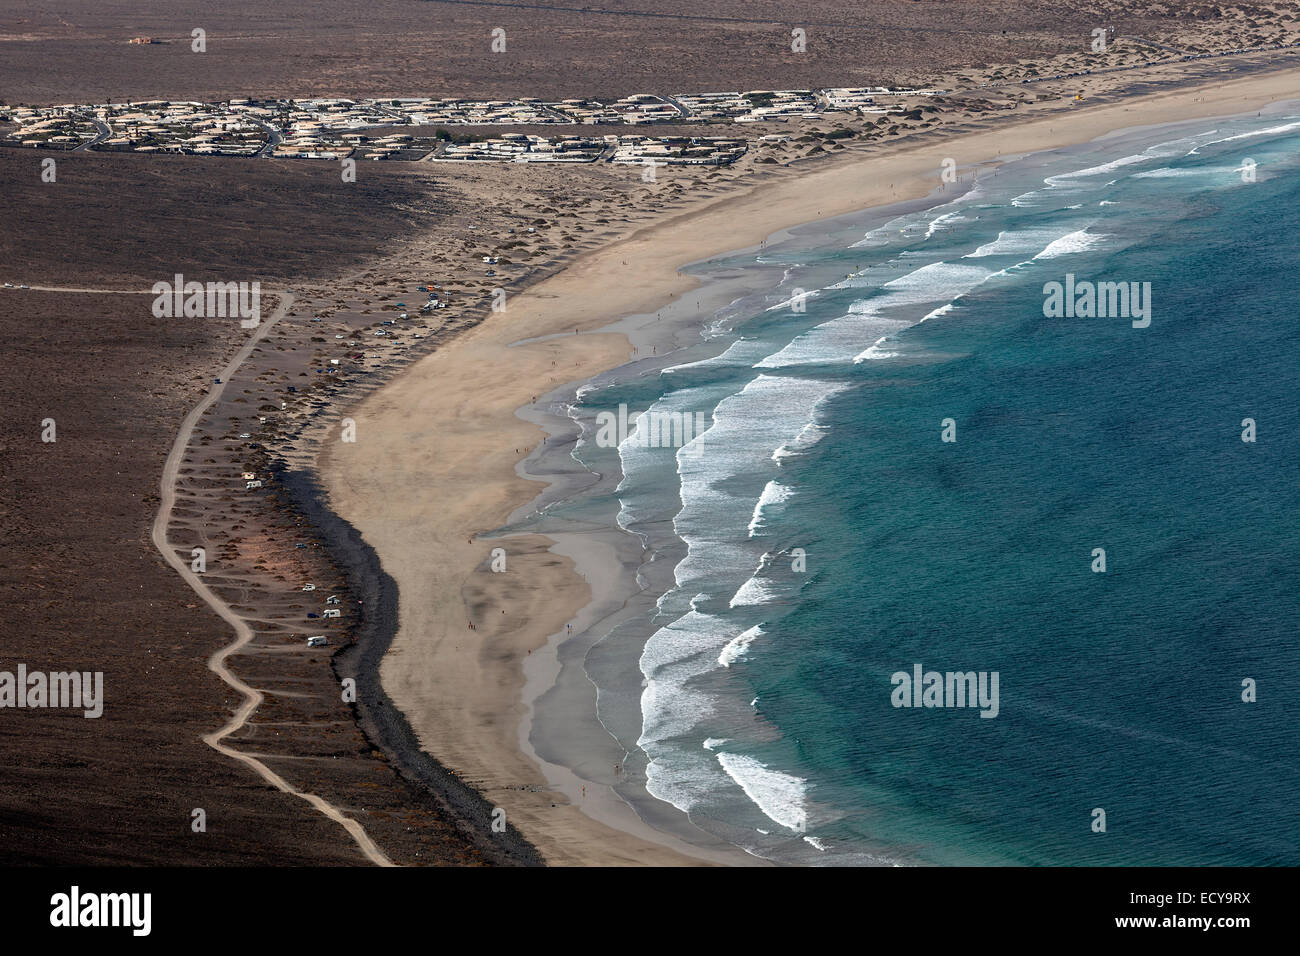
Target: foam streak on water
x,y
765,705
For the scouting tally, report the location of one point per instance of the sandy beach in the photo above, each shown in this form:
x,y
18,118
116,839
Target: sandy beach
x,y
437,450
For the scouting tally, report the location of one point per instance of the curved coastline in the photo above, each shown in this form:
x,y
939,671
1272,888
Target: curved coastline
x,y
560,305
380,721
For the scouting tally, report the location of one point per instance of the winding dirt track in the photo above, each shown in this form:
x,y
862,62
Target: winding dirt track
x,y
243,633
51,288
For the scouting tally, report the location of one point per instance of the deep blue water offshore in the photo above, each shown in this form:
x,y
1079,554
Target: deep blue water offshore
x,y
767,711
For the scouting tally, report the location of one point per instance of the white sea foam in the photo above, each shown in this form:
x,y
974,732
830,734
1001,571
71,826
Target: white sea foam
x,y
736,649
1075,242
679,771
1166,172
690,778
1253,134
779,795
938,280
711,520
878,351
747,427
685,647
831,342
670,709
808,436
882,234
741,352
875,354
943,222
774,494
842,339
942,310
1019,242
717,500
1067,178
787,304
755,591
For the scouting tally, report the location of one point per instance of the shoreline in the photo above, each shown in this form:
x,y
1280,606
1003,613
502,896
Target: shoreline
x,y
586,700
383,724
471,710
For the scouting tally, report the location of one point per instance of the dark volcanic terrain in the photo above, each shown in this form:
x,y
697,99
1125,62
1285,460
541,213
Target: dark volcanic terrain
x,y
81,584
83,589
79,51
111,221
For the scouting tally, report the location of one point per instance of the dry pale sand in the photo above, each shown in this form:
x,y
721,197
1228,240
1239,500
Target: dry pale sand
x,y
435,454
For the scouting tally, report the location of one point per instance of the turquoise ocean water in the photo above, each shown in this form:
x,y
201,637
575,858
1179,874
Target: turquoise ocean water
x,y
822,536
